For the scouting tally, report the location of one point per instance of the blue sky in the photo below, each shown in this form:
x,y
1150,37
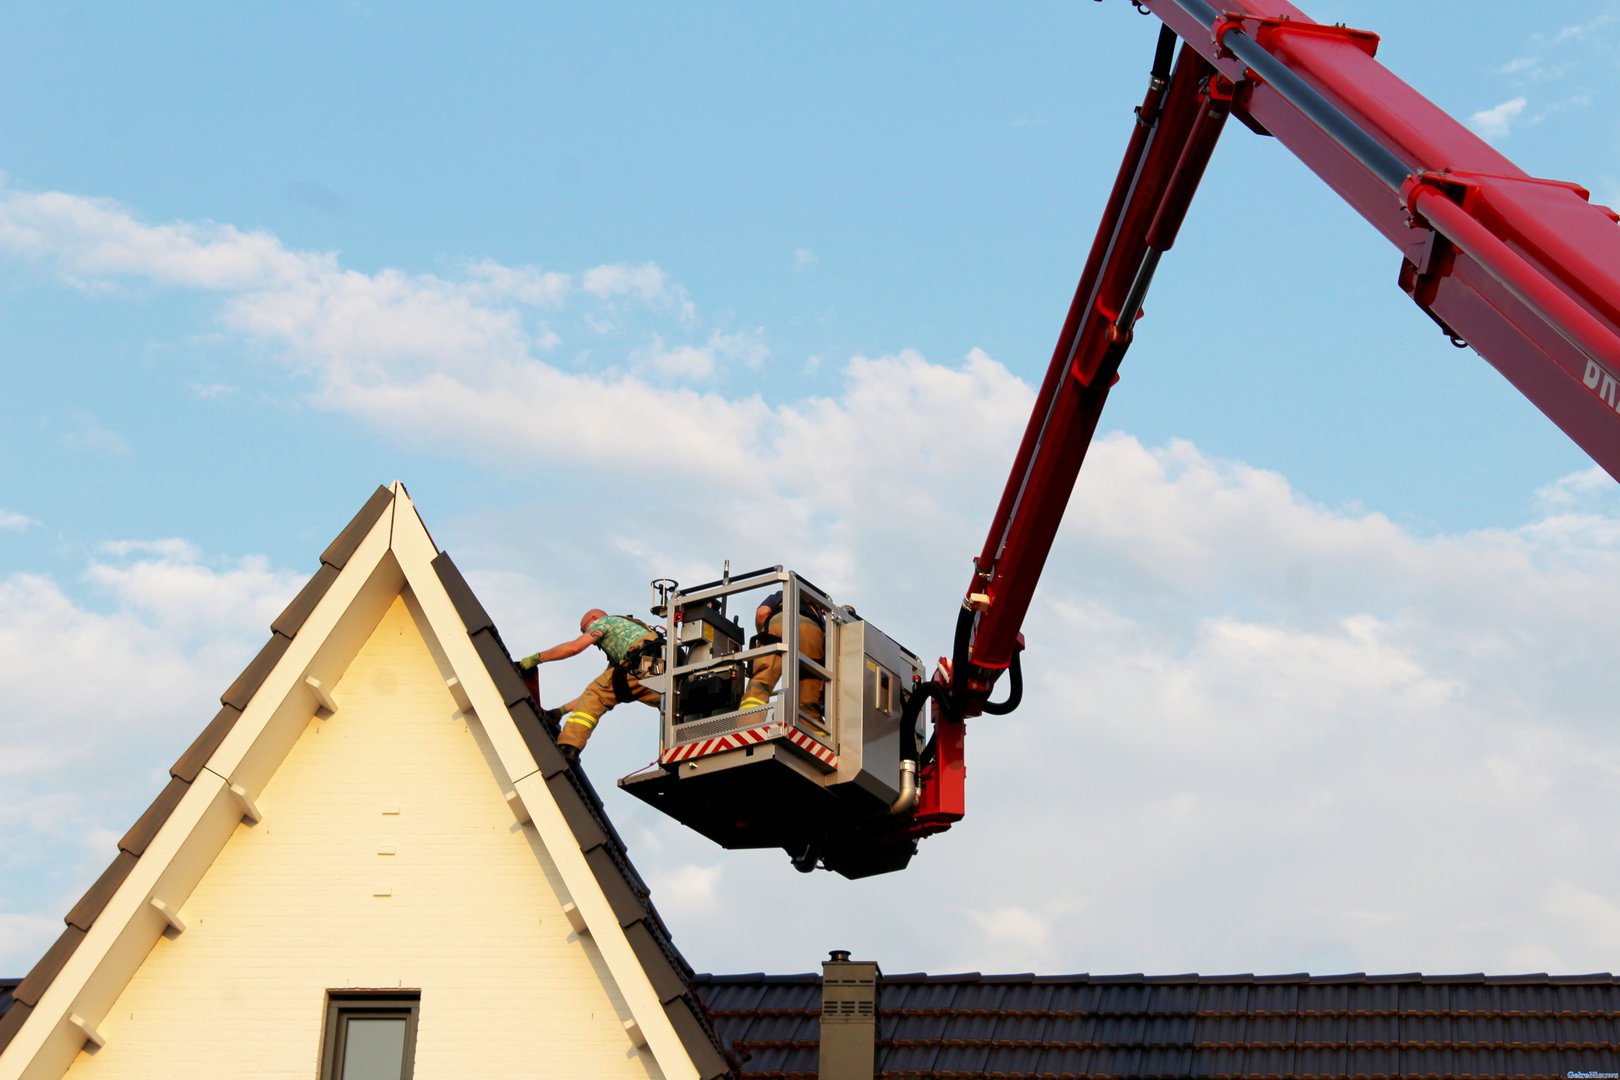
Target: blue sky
x,y
623,291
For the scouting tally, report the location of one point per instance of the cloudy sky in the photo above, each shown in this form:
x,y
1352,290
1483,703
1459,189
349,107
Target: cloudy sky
x,y
1322,673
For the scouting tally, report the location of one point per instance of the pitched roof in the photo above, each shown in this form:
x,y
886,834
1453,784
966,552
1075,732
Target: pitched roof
x,y
384,548
1027,1026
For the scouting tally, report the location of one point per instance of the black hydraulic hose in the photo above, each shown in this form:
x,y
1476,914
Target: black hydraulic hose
x,y
960,662
1015,689
910,751
1164,54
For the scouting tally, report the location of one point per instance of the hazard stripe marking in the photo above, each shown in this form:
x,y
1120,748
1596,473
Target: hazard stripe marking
x,y
749,737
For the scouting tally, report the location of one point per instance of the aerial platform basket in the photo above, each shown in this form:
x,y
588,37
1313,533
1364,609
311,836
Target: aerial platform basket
x,y
830,777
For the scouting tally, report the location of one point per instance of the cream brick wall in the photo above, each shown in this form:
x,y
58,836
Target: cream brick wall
x,y
386,858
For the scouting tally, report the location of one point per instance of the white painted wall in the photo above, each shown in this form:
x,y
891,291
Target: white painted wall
x,y
387,857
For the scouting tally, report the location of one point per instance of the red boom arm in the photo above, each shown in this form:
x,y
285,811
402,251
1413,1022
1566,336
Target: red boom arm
x,y
1526,271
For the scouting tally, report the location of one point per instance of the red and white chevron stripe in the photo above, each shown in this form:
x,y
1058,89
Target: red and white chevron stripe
x,y
729,741
813,748
737,739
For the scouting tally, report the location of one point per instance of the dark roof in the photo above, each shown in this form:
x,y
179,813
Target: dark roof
x,y
604,849
1023,1027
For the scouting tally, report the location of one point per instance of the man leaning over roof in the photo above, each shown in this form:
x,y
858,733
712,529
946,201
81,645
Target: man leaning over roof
x,y
623,638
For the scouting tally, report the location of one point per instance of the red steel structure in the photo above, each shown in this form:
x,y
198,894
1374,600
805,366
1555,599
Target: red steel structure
x,y
1526,271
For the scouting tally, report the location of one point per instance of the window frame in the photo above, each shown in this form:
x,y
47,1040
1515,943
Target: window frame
x,y
345,1005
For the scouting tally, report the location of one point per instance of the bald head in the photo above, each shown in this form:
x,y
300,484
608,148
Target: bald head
x,y
590,617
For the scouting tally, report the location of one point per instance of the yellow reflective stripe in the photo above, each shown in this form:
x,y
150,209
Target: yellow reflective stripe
x,y
751,702
584,718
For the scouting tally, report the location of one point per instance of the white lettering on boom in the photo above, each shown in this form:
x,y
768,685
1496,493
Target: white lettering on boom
x,y
1605,384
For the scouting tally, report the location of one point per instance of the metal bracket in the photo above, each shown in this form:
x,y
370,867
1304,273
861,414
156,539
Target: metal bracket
x,y
1265,27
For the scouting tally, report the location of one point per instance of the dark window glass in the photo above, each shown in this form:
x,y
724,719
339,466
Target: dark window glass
x,y
369,1036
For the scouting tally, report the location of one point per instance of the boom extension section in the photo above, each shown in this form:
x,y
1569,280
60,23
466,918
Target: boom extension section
x,y
1526,271
1177,125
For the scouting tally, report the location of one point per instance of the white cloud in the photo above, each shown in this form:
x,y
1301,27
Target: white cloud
x,y
690,888
1019,939
1259,733
98,238
101,696
804,258
1586,29
646,282
89,433
1497,121
11,521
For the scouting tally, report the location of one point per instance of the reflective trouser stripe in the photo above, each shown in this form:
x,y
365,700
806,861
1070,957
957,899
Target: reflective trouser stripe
x,y
584,718
751,702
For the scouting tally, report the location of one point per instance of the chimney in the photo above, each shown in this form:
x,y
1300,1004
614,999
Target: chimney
x,y
848,1018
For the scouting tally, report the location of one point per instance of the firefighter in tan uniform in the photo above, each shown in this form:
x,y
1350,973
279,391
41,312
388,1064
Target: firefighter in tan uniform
x,y
622,639
767,670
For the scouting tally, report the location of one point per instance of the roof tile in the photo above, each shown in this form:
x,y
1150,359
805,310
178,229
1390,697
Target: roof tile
x,y
292,617
538,737
685,1013
1215,1025
499,665
666,980
146,827
627,905
12,1020
473,615
338,552
33,985
191,763
88,909
247,684
579,817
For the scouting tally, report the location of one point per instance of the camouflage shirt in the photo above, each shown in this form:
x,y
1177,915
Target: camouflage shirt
x,y
618,635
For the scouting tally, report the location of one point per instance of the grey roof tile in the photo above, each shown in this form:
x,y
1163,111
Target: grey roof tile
x,y
590,834
339,551
292,617
473,615
499,663
539,738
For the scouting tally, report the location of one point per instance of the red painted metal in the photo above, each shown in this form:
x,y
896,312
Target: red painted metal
x,y
1529,271
943,781
1166,155
1526,271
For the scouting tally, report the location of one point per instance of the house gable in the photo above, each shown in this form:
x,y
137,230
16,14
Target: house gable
x,y
383,714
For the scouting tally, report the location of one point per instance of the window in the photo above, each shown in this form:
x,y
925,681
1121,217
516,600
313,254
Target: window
x,y
369,1035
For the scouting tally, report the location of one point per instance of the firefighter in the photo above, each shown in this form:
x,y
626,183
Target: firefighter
x,y
623,639
767,670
